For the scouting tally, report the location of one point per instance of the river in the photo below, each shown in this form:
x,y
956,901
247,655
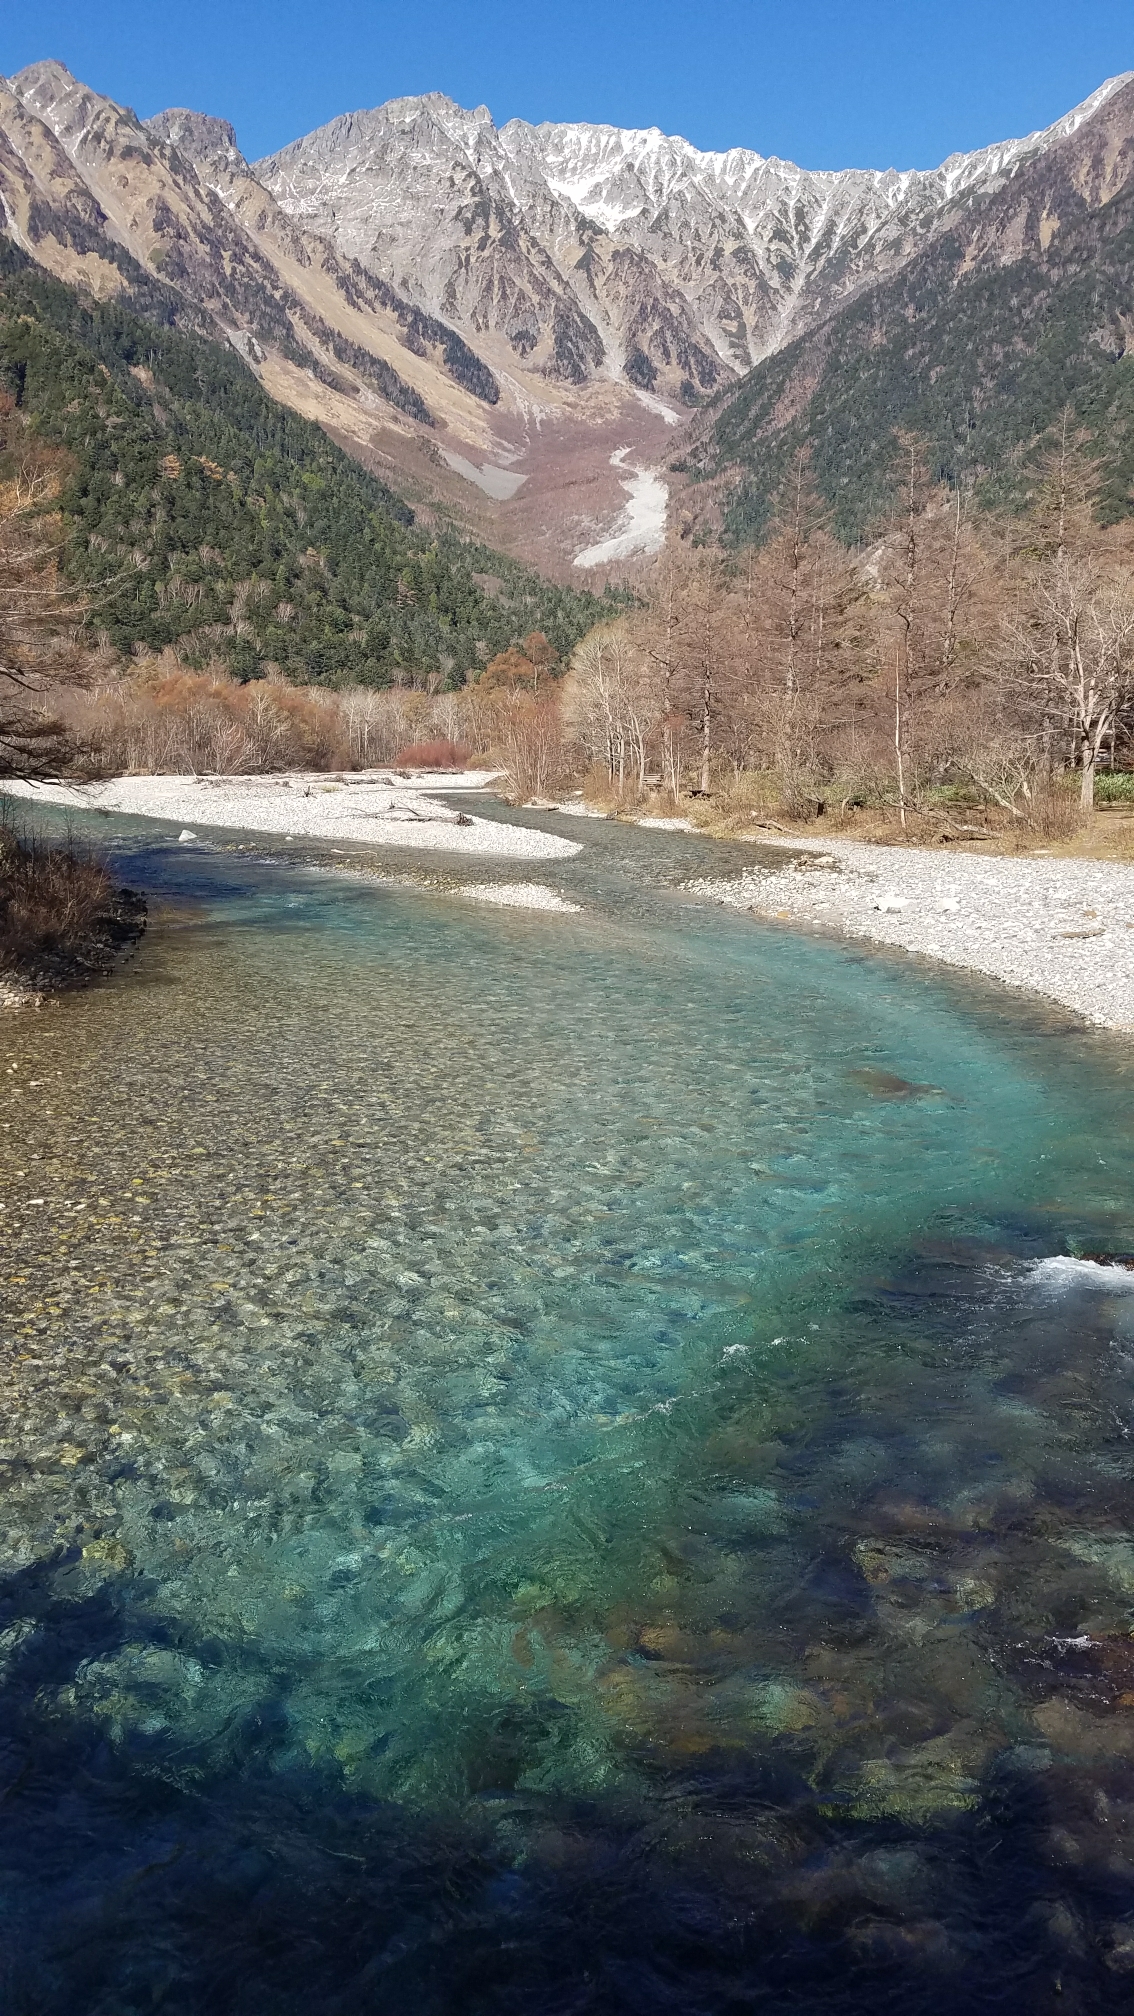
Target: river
x,y
550,1461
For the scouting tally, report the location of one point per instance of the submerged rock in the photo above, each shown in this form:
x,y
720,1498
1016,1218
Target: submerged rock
x,y
887,1085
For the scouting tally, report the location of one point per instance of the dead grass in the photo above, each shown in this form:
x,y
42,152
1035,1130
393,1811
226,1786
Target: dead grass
x,y
757,807
61,917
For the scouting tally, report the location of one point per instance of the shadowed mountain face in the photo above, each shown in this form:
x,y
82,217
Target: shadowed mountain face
x,y
510,322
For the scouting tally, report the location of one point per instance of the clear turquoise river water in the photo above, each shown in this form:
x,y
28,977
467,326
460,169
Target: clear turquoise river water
x,y
551,1463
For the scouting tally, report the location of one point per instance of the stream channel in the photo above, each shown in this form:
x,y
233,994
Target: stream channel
x,y
551,1462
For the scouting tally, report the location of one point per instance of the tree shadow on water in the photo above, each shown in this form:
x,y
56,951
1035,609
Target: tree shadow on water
x,y
144,1874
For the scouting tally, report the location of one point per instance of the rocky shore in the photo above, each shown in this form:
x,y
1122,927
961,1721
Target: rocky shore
x,y
1059,928
1063,929
519,896
377,807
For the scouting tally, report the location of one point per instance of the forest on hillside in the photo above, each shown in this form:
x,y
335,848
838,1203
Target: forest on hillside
x,y
200,515
964,671
222,588
979,365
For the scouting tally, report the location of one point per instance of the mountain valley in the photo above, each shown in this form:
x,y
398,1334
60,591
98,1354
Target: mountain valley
x,y
537,333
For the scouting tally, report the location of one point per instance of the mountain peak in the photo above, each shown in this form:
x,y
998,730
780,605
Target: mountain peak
x,y
48,70
199,136
655,261
436,102
64,102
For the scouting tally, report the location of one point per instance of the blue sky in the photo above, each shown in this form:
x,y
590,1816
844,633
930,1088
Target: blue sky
x,y
866,83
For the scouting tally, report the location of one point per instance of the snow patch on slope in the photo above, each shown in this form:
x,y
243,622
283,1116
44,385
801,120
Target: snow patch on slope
x,y
658,406
640,525
498,483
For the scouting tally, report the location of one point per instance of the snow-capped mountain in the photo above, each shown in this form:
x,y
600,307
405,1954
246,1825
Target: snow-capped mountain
x,y
597,251
505,323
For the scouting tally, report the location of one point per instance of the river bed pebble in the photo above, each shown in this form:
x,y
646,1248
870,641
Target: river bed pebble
x,y
520,896
1060,928
376,806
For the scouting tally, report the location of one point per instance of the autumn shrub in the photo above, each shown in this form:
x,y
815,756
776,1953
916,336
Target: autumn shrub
x,y
164,718
55,902
535,752
443,755
205,723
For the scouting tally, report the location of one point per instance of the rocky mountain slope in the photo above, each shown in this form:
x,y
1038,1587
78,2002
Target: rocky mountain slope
x,y
169,214
511,324
85,183
590,249
1018,308
166,217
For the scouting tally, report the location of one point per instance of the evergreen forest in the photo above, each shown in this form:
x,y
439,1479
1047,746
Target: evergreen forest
x,y
978,365
201,514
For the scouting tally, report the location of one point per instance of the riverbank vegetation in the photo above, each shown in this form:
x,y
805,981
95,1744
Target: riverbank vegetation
x,y
43,653
193,579
161,718
63,921
964,676
961,670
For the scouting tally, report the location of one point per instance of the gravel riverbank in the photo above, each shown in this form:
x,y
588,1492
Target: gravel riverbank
x,y
519,896
1064,929
1059,928
367,806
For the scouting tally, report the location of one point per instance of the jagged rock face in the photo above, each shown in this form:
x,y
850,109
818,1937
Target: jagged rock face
x,y
1084,170
208,142
43,197
150,202
96,194
587,251
1014,311
466,306
594,250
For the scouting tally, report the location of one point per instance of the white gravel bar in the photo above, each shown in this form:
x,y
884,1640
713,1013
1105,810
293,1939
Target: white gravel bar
x,y
373,807
1064,929
519,896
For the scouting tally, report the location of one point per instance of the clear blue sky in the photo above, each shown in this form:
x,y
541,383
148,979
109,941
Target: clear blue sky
x,y
827,83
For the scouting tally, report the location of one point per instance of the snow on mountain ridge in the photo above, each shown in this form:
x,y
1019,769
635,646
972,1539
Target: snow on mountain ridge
x,y
635,147
637,271
622,251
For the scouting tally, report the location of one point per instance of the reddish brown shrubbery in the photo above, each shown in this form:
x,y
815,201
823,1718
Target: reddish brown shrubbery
x,y
164,718
434,756
60,915
201,722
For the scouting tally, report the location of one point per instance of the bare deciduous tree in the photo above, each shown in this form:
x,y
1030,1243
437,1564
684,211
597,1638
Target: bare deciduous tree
x,y
1074,641
613,700
42,647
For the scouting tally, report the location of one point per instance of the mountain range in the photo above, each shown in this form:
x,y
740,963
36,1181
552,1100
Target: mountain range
x,y
526,327
596,251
